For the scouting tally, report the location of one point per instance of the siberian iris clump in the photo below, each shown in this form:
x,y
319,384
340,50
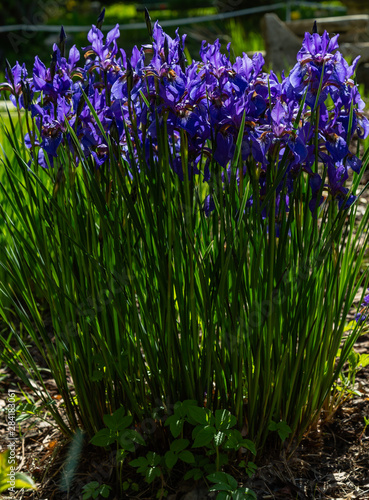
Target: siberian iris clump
x,y
188,227
207,101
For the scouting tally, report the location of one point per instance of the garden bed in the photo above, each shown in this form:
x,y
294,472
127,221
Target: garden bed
x,y
331,462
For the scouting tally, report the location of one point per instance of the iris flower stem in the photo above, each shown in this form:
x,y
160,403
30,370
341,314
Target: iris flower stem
x,y
270,326
107,90
189,229
316,138
20,122
31,136
169,331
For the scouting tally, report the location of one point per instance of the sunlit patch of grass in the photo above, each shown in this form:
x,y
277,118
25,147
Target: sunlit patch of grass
x,y
173,14
4,119
120,11
205,11
332,3
242,41
6,149
364,92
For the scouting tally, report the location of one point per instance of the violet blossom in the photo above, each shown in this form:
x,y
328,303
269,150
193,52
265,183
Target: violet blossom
x,y
207,101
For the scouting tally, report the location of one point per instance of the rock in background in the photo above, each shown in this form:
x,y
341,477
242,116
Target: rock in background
x,y
281,44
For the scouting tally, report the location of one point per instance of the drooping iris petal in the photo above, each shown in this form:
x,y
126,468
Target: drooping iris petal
x,y
353,162
298,147
74,57
337,147
113,35
224,148
209,205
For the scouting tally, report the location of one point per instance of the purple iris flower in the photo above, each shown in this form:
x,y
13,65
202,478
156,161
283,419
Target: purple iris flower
x,y
361,317
206,101
337,147
261,142
53,128
279,123
16,82
209,205
298,148
315,182
224,150
103,51
316,47
212,57
353,162
337,175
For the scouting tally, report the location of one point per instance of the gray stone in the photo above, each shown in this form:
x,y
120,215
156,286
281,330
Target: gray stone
x,y
356,6
351,28
280,43
362,74
353,50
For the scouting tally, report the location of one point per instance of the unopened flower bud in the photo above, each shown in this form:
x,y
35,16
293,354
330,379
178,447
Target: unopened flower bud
x,y
114,134
166,49
81,101
148,22
27,96
53,65
62,38
100,19
59,180
181,59
129,75
9,72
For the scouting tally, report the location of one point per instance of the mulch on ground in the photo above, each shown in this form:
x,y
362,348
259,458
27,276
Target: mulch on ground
x,y
331,462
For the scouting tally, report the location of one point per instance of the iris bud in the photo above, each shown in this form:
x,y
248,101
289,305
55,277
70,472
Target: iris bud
x,y
53,65
114,134
81,101
100,19
129,75
9,72
60,179
26,91
148,22
181,59
62,38
166,49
